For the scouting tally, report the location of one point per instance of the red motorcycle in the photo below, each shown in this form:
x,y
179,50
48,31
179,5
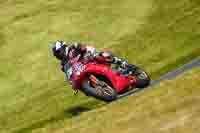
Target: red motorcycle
x,y
105,81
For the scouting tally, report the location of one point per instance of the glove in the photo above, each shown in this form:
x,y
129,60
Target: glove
x,y
120,61
117,60
124,64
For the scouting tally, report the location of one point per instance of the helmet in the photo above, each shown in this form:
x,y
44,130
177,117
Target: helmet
x,y
60,49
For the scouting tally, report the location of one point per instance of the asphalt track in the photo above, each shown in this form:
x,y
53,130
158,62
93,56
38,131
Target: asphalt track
x,y
194,63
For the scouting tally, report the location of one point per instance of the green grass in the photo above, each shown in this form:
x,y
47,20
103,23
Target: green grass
x,y
157,35
171,107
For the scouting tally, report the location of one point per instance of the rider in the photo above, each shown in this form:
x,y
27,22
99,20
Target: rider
x,y
67,53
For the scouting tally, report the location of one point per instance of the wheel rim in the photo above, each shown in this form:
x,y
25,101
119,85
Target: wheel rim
x,y
142,75
104,89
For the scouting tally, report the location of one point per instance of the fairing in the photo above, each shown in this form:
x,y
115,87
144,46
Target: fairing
x,y
119,82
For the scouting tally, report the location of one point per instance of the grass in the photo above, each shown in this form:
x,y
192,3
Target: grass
x,y
153,34
171,107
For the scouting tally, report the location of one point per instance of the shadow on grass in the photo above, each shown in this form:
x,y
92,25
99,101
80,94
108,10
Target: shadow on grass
x,y
75,111
68,113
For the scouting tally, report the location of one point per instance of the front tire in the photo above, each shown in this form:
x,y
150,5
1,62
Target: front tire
x,y
103,92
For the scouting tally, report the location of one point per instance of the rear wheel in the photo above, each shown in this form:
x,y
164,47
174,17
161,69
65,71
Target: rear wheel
x,y
101,90
142,78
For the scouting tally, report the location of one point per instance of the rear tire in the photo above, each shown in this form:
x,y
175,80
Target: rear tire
x,y
142,78
104,92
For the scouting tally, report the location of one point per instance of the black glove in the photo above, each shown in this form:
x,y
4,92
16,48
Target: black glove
x,y
123,63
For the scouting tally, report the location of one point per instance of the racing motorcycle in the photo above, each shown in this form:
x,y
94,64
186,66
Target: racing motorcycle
x,y
105,81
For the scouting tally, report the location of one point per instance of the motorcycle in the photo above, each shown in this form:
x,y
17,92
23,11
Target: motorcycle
x,y
105,81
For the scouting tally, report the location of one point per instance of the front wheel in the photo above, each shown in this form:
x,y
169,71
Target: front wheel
x,y
102,90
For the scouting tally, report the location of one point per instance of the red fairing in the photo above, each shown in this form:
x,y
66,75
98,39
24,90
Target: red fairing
x,y
119,82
